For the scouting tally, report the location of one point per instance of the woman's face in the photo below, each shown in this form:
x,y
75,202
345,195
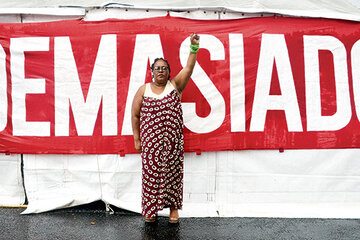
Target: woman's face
x,y
161,72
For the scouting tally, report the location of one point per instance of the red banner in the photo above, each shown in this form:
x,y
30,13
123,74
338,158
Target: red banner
x,y
259,83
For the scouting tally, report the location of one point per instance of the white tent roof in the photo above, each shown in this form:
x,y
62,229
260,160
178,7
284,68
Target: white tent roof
x,y
242,4
340,9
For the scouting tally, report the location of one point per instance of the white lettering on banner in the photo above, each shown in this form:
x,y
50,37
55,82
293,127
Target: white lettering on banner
x,y
3,90
237,83
355,65
216,101
22,86
315,121
147,48
103,87
274,50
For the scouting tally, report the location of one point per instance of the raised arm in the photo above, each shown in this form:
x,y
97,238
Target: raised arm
x,y
135,116
183,77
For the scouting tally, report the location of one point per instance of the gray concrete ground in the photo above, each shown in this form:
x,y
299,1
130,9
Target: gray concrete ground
x,y
95,223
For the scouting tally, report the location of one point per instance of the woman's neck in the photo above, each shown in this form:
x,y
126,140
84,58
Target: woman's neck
x,y
160,84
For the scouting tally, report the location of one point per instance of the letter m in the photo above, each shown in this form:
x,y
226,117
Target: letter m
x,y
102,89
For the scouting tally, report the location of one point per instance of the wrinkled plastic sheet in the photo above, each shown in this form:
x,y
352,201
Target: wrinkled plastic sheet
x,y
342,9
11,185
295,183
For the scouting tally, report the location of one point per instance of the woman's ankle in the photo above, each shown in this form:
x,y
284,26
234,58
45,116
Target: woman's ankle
x,y
174,213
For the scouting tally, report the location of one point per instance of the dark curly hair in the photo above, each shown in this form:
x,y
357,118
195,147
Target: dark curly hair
x,y
157,59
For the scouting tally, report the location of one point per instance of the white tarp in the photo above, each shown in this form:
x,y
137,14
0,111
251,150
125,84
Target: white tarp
x,y
295,183
341,9
11,182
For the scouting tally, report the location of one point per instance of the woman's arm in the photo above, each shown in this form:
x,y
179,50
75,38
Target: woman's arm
x,y
183,77
135,116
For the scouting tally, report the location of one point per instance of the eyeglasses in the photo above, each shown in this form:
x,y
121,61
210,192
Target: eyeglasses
x,y
157,68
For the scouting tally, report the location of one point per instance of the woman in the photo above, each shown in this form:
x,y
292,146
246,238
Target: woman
x,y
158,134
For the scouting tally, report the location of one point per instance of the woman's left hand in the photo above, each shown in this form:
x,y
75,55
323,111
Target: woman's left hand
x,y
195,39
138,145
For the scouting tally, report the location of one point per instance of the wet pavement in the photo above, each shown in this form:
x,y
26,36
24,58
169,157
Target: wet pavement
x,y
94,223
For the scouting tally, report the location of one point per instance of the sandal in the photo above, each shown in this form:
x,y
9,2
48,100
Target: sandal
x,y
173,220
150,220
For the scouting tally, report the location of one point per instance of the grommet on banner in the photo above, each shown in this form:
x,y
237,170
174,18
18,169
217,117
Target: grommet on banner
x,y
122,153
281,150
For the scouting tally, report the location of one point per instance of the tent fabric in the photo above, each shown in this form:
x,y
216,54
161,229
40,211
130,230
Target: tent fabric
x,y
121,13
339,9
295,183
69,11
249,4
11,182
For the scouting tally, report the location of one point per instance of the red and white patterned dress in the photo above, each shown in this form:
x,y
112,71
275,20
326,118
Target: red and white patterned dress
x,y
161,134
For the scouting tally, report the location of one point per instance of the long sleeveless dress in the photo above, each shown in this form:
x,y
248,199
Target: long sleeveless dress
x,y
161,134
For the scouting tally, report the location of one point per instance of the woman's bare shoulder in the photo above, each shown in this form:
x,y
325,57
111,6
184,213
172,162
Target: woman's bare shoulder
x,y
141,90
